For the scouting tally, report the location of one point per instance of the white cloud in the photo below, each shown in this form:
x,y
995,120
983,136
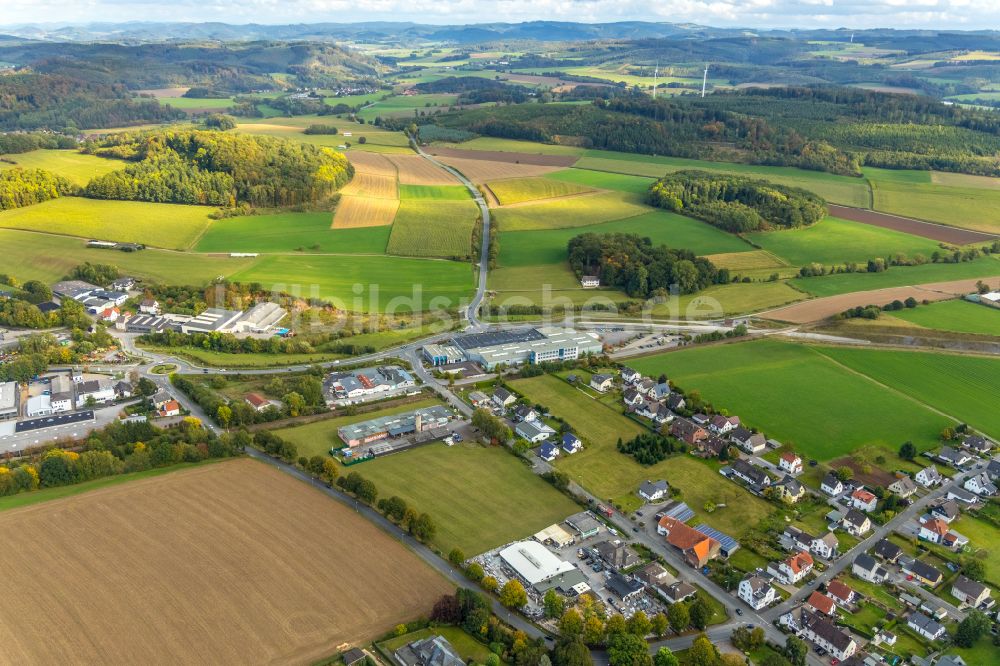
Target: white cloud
x,y
941,14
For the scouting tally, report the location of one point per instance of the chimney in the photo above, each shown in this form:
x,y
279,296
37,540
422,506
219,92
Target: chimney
x,y
417,422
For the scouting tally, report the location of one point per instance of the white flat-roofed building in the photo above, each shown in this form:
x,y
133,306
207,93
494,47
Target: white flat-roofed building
x,y
8,400
260,318
533,562
62,394
211,320
39,405
533,345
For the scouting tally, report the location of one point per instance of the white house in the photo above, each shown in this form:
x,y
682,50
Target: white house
x,y
149,306
756,592
652,491
866,568
790,462
590,281
601,383
548,451
925,626
825,546
630,376
928,477
792,569
751,442
980,484
503,398
970,592
831,485
721,425
904,486
533,431
863,500
571,443
102,391
953,456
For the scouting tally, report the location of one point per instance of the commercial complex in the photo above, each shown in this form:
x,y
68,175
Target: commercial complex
x,y
537,566
8,400
396,425
532,345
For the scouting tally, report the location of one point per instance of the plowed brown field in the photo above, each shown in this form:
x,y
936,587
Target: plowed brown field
x,y
229,563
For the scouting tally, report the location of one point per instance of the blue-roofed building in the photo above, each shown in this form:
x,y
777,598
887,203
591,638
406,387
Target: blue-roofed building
x,y
571,443
678,511
548,452
728,545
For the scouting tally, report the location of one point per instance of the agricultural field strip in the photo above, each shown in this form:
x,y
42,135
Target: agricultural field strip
x,y
932,230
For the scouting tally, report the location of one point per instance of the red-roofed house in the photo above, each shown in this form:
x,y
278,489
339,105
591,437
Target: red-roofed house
x,y
697,548
863,500
841,593
820,603
110,314
257,401
790,462
793,569
934,530
169,408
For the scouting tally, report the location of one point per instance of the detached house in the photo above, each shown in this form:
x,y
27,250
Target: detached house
x,y
655,411
523,413
856,523
257,401
503,398
791,463
793,569
841,593
751,474
756,592
688,432
945,509
721,425
149,306
571,443
676,402
888,551
752,443
831,485
791,490
533,431
863,500
548,451
630,376
824,633
652,491
953,456
602,383
820,603
981,485
825,546
632,398
922,572
928,477
904,486
961,495
970,592
925,626
866,568
977,444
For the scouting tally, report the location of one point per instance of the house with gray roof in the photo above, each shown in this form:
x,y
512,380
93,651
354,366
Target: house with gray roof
x,y
430,651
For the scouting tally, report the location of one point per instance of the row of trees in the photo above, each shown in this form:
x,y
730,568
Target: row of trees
x,y
946,255
493,428
632,263
736,203
198,167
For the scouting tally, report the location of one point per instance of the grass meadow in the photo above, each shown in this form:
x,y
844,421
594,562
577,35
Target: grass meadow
x,y
604,180
434,192
913,194
964,387
959,316
900,276
363,283
731,299
400,105
427,228
519,190
289,232
479,497
833,241
515,146
799,396
199,103
75,166
171,226
571,212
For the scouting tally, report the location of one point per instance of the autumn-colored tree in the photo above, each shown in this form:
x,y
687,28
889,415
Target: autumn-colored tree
x,y
513,594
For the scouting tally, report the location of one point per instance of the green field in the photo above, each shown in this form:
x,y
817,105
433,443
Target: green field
x,y
798,396
514,146
838,189
75,166
160,225
833,242
401,105
199,103
290,232
32,256
363,283
376,138
530,248
207,357
899,276
479,497
959,316
425,228
604,180
435,192
967,207
964,387
728,300
518,190
571,212
610,475
982,535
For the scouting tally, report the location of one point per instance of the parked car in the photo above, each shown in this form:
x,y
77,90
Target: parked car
x,y
739,611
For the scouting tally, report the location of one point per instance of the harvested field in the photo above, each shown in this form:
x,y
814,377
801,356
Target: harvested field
x,y
480,171
164,92
372,163
364,211
937,232
821,308
743,261
416,170
366,184
247,566
521,190
868,474
502,156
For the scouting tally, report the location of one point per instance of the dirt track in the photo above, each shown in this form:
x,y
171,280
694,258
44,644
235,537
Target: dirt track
x,y
938,232
818,309
510,158
229,563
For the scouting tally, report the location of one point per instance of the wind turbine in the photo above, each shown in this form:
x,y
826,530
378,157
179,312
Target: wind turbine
x,y
704,80
656,73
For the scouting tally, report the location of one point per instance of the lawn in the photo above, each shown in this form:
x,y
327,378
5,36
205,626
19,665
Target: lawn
x,y
838,189
604,180
289,232
518,190
467,647
959,316
434,192
197,102
364,283
571,212
533,248
611,475
900,276
425,228
479,498
964,387
75,166
982,535
161,225
833,241
967,207
797,396
33,256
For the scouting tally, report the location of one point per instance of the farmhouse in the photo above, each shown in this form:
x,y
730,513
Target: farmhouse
x,y
856,523
981,485
756,592
430,651
928,477
970,592
537,566
602,383
533,345
396,425
533,431
831,485
696,547
790,462
751,442
866,568
925,626
727,544
584,524
903,486
863,500
652,491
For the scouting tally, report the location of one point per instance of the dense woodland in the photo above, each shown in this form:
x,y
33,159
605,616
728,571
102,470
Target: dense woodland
x,y
736,203
196,167
24,187
632,263
477,90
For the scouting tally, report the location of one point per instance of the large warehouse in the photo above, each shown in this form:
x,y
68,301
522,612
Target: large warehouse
x,y
531,345
540,568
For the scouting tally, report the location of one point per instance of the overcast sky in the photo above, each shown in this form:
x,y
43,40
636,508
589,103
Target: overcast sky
x,y
946,14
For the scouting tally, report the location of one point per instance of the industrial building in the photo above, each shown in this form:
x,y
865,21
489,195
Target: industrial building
x,y
396,425
261,318
537,566
366,383
9,394
532,345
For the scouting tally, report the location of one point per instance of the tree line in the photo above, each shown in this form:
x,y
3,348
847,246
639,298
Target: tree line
x,y
736,203
25,187
299,395
650,448
632,263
